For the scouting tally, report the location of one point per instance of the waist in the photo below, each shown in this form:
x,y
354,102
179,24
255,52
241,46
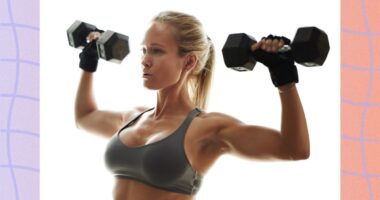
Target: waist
x,y
130,189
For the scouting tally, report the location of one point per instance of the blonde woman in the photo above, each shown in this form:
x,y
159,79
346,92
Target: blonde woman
x,y
163,152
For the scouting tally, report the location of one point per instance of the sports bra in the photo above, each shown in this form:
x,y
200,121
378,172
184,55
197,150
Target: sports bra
x,y
162,164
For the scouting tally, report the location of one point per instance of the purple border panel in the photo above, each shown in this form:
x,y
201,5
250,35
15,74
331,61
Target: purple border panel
x,y
19,100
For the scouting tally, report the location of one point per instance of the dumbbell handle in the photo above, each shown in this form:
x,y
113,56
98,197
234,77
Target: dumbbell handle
x,y
287,48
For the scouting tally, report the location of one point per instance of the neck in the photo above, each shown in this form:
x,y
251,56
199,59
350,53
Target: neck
x,y
173,101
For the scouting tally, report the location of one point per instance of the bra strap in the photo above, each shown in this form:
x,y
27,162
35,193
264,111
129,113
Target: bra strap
x,y
134,119
185,125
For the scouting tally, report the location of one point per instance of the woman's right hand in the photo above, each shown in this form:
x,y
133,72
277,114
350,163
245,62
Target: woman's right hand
x,y
89,56
94,35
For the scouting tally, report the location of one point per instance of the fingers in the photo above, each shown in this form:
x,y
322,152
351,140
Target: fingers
x,y
256,46
271,45
93,36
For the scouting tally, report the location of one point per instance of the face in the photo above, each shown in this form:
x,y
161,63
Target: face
x,y
162,66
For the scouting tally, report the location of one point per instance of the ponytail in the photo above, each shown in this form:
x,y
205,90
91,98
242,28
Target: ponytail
x,y
203,80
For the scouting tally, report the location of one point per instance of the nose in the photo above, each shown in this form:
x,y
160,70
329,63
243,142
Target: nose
x,y
146,61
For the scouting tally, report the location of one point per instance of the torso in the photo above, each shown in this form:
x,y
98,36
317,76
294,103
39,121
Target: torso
x,y
200,145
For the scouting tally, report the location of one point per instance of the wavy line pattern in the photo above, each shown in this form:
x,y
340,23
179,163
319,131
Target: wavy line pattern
x,y
360,100
19,100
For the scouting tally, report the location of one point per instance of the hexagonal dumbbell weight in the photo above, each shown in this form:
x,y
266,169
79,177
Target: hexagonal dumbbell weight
x,y
237,53
78,32
111,46
310,47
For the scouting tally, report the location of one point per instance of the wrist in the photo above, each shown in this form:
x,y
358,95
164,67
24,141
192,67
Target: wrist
x,y
287,87
88,63
284,74
89,57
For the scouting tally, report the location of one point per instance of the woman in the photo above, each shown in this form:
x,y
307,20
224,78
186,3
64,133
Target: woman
x,y
163,152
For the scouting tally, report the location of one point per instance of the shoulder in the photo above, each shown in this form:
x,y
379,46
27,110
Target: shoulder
x,y
216,121
218,117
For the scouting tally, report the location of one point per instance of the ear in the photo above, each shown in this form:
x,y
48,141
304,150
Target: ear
x,y
190,62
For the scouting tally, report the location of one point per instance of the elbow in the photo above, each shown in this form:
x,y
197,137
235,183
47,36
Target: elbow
x,y
80,119
78,122
81,115
301,155
77,118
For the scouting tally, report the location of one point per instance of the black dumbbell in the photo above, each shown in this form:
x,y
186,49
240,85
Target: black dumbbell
x,y
111,46
310,47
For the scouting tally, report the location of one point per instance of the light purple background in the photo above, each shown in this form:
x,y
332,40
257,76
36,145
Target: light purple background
x,y
19,99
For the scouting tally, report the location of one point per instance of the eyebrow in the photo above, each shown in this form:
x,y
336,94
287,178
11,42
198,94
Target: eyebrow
x,y
153,44
156,44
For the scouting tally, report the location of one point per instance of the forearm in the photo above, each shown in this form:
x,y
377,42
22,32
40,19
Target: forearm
x,y
85,102
293,123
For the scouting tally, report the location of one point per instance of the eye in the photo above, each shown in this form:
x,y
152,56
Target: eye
x,y
143,50
156,51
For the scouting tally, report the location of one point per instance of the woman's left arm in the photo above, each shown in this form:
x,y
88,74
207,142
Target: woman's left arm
x,y
291,143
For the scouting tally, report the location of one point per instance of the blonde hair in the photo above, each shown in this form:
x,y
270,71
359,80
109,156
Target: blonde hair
x,y
191,38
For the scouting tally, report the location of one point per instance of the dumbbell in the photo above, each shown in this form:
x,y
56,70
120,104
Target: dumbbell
x,y
310,47
111,46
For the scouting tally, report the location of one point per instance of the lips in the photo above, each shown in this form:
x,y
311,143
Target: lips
x,y
145,75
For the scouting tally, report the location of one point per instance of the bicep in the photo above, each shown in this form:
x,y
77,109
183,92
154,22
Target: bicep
x,y
253,141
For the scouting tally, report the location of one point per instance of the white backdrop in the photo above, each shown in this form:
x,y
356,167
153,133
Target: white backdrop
x,y
72,165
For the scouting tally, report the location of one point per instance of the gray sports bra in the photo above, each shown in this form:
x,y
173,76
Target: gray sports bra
x,y
162,164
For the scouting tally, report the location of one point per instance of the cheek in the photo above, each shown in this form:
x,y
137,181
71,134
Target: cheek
x,y
170,71
170,74
166,74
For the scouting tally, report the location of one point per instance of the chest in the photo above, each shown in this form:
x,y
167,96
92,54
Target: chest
x,y
172,139
146,131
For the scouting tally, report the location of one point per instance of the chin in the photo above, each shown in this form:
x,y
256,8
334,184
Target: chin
x,y
150,86
156,85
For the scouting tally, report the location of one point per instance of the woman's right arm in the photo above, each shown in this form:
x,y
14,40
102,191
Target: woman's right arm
x,y
87,115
